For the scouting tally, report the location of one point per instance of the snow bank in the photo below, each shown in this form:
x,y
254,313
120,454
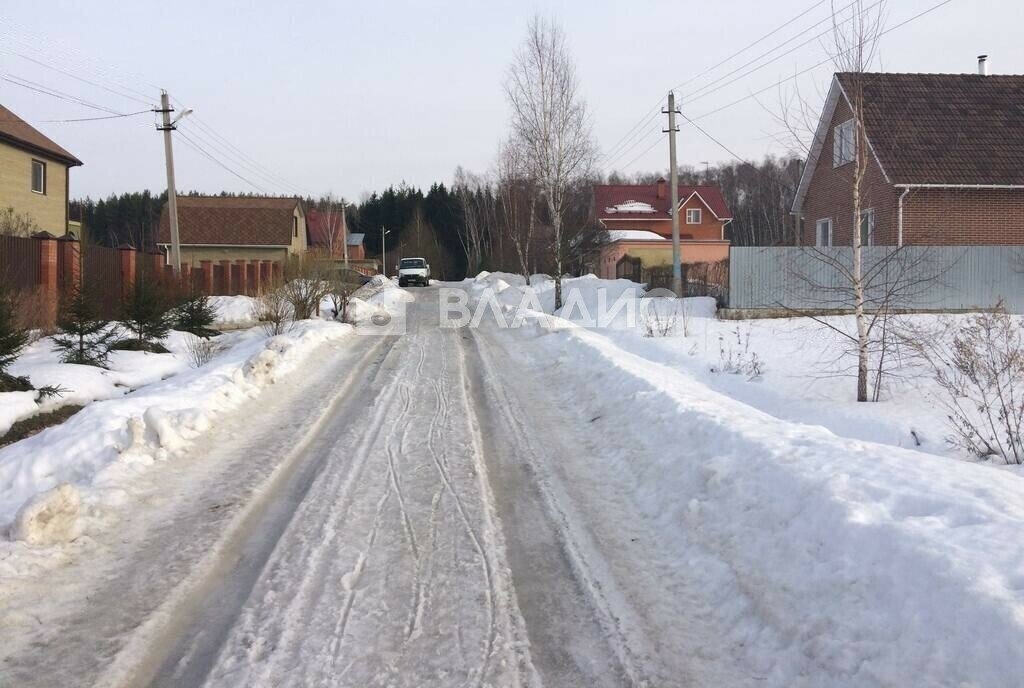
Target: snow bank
x,y
381,296
233,311
832,561
100,448
49,518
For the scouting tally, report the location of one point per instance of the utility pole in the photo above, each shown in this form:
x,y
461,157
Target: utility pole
x,y
677,269
344,235
172,198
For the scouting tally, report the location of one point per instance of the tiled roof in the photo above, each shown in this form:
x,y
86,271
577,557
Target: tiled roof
x,y
231,221
945,128
611,195
15,130
319,226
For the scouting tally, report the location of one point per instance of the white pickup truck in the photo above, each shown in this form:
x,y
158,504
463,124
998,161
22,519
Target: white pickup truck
x,y
413,271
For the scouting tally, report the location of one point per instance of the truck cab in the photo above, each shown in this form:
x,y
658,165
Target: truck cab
x,y
413,271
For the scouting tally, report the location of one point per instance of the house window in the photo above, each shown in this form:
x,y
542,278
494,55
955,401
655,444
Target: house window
x,y
867,227
295,227
824,232
843,144
38,176
693,216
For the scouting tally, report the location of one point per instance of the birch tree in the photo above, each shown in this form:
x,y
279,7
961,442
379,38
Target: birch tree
x,y
550,122
517,201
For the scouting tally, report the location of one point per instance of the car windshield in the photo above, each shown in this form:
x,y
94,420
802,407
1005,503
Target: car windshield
x,y
412,263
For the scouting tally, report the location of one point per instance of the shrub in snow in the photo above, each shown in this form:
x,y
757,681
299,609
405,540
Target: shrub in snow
x,y
147,316
195,314
13,338
735,356
49,518
982,381
85,337
307,284
202,350
273,312
664,317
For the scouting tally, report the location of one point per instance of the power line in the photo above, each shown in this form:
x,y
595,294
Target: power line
x,y
93,119
706,90
751,45
78,78
199,149
719,143
47,90
818,64
655,109
644,152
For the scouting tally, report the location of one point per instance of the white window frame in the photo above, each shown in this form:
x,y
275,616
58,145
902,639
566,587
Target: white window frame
x,y
870,214
693,210
32,175
826,221
843,145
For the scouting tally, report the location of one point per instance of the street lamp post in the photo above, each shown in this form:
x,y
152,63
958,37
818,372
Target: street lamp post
x,y
383,251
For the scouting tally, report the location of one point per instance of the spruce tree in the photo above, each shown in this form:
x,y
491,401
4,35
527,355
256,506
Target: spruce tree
x,y
13,338
147,315
195,314
85,337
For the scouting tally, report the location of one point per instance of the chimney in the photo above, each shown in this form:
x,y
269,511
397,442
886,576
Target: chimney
x,y
983,65
662,187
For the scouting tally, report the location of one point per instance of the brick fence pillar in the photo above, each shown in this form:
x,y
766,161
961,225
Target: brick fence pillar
x,y
127,256
48,276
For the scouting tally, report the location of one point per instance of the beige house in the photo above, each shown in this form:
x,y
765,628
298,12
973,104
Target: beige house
x,y
219,228
34,174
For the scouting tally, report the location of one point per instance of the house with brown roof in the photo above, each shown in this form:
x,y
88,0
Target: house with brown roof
x,y
638,220
34,174
328,235
945,162
218,228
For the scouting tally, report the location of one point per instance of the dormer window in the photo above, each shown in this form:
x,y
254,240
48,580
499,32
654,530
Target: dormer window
x,y
843,144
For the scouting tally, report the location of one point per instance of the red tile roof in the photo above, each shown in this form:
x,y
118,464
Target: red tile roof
x,y
231,221
18,132
610,195
319,226
945,128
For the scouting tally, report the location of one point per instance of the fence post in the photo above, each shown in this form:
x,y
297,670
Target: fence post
x,y
127,256
47,244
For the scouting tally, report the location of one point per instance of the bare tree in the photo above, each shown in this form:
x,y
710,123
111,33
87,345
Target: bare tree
x,y
477,202
550,122
332,212
17,224
517,200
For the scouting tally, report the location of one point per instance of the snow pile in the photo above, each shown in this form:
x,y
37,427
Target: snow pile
x,y
835,560
633,235
233,311
100,448
380,297
49,518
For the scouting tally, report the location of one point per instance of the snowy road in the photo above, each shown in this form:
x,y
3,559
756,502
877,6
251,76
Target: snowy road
x,y
391,519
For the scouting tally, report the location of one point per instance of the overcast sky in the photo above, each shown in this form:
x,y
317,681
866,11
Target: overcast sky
x,y
351,97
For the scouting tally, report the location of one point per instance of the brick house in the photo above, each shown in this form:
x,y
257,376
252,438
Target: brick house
x,y
638,218
945,166
325,234
236,228
34,174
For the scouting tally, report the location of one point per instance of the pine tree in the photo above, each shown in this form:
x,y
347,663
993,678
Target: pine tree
x,y
147,316
195,314
85,337
13,338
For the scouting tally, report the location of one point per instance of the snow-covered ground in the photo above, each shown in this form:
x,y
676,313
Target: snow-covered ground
x,y
826,560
